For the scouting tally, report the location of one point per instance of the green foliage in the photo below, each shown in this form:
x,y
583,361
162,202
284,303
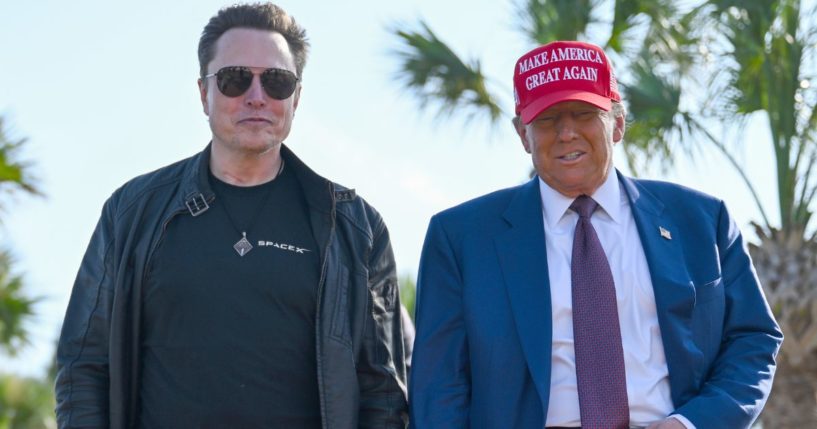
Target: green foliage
x,y
545,21
433,72
15,308
26,403
655,102
667,35
15,175
765,56
408,293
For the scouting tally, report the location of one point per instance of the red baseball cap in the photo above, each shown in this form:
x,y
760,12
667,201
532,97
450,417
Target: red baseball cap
x,y
563,71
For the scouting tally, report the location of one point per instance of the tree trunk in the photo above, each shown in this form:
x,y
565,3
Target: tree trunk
x,y
793,402
787,267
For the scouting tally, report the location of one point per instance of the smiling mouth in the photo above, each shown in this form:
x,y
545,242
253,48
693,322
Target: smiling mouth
x,y
571,156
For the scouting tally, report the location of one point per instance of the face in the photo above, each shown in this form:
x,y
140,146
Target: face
x,y
571,144
253,122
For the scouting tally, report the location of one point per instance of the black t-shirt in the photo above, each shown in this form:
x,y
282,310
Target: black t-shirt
x,y
228,341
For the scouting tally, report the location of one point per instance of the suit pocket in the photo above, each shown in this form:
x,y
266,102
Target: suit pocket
x,y
707,318
709,291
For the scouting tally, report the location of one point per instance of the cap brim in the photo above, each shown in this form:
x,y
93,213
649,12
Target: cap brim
x,y
542,103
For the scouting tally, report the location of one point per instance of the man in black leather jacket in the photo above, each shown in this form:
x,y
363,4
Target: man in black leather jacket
x,y
236,288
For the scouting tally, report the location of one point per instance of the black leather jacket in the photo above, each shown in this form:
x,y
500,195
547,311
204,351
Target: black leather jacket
x,y
360,357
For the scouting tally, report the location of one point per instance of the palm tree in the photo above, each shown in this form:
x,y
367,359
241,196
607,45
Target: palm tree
x,y
728,59
770,47
15,307
24,403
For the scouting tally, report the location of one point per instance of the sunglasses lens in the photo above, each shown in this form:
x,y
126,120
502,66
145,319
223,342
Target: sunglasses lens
x,y
233,81
279,84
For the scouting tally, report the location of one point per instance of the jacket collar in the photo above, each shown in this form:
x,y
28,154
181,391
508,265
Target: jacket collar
x,y
318,191
197,194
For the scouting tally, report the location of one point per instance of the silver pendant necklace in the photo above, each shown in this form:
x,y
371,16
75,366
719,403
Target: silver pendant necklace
x,y
243,246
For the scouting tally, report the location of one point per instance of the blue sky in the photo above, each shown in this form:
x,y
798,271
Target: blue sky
x,y
106,90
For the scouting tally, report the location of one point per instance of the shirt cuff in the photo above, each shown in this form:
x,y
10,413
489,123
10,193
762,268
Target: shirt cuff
x,y
683,421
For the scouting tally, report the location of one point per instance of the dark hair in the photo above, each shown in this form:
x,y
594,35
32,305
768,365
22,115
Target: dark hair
x,y
261,16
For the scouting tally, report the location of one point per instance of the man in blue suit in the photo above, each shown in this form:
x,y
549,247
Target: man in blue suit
x,y
585,298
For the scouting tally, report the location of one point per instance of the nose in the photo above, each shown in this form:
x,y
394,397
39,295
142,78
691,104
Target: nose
x,y
255,96
565,128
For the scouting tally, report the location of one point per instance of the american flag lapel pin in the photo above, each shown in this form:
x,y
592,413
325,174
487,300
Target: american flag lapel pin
x,y
665,233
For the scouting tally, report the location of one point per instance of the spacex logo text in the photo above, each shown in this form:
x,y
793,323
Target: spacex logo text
x,y
282,246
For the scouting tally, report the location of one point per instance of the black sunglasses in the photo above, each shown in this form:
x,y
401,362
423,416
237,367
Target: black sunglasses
x,y
233,81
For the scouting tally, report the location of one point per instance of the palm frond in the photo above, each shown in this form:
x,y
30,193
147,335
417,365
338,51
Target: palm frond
x,y
801,212
15,175
431,71
761,52
15,308
668,34
544,21
653,102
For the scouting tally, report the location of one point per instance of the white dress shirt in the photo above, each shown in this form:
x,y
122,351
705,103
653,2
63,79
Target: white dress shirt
x,y
648,389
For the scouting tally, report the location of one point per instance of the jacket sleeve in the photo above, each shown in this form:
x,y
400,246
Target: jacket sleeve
x,y
440,385
381,371
82,353
740,378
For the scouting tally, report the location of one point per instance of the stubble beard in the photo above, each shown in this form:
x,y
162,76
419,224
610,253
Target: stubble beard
x,y
267,145
247,146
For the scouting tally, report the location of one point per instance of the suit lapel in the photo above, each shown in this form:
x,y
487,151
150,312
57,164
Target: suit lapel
x,y
523,259
674,291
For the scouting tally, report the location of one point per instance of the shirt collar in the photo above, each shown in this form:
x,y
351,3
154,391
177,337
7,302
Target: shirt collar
x,y
608,196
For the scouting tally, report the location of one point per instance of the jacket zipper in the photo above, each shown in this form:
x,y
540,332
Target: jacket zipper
x,y
318,351
150,256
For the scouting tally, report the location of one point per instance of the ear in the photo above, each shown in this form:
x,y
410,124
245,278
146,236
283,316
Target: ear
x,y
618,128
203,94
522,131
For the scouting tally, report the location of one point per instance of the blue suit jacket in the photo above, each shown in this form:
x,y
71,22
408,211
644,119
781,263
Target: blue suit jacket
x,y
482,351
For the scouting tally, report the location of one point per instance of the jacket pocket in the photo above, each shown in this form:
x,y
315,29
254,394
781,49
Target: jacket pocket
x,y
340,329
709,291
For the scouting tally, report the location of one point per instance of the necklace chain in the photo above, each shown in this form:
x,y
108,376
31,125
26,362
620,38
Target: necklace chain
x,y
243,246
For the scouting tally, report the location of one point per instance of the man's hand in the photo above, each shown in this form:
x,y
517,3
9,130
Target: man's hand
x,y
667,423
